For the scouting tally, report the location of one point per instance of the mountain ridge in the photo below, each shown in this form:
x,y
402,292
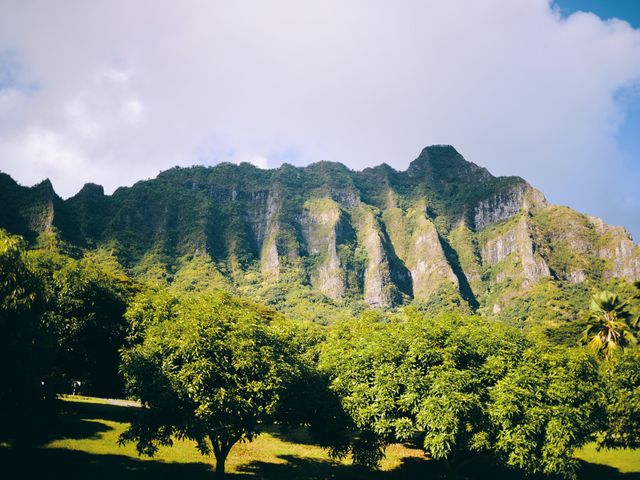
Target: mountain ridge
x,y
378,236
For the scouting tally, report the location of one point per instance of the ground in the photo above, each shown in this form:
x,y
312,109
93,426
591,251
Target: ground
x,y
83,444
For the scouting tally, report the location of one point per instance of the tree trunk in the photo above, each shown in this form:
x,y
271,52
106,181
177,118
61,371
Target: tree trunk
x,y
221,451
221,459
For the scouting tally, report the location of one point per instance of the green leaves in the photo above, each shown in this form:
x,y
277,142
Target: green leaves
x,y
420,377
27,345
545,408
212,368
610,324
465,386
622,405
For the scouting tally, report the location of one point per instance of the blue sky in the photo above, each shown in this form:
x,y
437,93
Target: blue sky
x,y
628,10
114,92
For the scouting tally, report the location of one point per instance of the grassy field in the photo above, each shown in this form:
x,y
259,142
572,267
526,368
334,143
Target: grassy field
x,y
83,444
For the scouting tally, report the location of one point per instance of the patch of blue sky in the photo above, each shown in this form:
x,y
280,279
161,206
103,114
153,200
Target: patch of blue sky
x,y
13,75
629,133
628,10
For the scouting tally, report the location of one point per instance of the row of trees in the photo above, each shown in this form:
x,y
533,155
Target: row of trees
x,y
217,369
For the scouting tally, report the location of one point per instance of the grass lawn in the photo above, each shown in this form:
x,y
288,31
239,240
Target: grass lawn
x,y
626,461
83,444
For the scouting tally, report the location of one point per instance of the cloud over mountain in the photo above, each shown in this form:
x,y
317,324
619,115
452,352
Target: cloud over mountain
x,y
115,92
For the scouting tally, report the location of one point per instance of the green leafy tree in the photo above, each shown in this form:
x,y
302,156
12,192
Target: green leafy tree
x,y
363,357
623,402
463,387
86,306
545,408
210,368
611,324
420,379
26,346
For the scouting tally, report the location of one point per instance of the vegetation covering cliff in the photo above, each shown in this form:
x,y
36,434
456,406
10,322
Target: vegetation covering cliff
x,y
315,240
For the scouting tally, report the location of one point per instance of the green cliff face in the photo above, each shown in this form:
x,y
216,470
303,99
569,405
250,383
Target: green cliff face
x,y
333,237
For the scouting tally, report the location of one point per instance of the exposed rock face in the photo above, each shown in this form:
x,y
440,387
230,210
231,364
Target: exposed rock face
x,y
501,206
266,233
506,204
417,242
428,265
516,245
269,258
533,265
378,287
380,236
464,243
262,213
320,225
622,256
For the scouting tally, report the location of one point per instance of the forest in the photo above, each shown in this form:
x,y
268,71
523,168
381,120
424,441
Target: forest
x,y
218,369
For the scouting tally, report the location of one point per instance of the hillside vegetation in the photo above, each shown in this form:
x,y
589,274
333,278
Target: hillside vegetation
x,y
318,241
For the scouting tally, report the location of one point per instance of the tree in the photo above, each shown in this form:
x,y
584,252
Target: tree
x,y
210,368
86,306
363,358
464,387
546,407
610,324
622,402
26,344
420,379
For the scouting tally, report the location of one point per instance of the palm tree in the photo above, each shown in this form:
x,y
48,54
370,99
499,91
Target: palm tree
x,y
610,324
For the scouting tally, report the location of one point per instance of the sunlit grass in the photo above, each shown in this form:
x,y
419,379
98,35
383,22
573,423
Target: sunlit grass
x,y
626,461
83,443
269,447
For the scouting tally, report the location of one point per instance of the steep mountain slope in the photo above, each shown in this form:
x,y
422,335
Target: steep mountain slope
x,y
378,237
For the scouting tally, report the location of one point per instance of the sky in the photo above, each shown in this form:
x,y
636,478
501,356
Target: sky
x,y
114,92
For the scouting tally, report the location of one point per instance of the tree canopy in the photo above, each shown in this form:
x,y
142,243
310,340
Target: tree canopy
x,y
210,368
611,325
460,387
26,344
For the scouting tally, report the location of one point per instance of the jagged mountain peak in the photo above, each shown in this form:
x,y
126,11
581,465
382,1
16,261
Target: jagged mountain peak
x,y
45,186
90,189
443,163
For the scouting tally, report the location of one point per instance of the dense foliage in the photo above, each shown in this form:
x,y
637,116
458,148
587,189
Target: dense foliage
x,y
26,350
213,369
62,323
519,391
461,386
86,305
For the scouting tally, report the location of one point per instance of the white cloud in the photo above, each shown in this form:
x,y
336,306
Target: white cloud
x,y
80,120
132,111
257,160
47,152
133,88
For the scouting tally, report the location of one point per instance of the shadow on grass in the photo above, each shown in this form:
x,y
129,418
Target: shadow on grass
x,y
594,471
304,468
83,420
73,465
299,435
115,413
76,420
